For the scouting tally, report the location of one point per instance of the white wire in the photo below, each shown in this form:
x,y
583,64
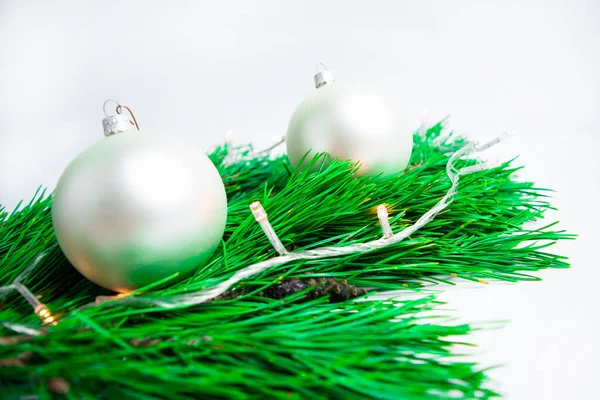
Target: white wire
x,y
19,287
330,251
19,328
324,252
236,156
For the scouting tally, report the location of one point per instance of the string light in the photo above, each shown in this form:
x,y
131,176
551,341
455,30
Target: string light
x,y
44,313
329,251
40,309
388,239
382,214
261,217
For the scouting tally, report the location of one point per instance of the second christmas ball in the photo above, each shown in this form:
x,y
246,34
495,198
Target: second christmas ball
x,y
350,121
137,207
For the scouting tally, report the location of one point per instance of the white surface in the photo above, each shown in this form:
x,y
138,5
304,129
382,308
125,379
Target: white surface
x,y
205,67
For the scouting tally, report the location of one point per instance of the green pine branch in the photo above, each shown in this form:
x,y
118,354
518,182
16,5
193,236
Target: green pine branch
x,y
261,348
251,349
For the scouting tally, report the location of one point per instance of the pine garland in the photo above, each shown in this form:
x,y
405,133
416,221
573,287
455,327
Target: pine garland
x,y
257,343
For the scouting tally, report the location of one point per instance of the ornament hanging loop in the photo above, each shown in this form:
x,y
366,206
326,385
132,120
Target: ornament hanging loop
x,y
106,102
321,67
120,108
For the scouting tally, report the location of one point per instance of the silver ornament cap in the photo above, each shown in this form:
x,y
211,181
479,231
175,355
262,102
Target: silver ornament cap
x,y
115,124
323,75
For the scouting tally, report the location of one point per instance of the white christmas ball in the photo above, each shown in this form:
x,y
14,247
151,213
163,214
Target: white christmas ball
x,y
351,121
135,208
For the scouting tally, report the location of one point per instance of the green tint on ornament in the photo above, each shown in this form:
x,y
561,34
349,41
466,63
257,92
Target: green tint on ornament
x,y
135,208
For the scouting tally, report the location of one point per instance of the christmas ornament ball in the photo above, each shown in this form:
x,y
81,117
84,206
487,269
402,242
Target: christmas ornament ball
x,y
350,121
135,208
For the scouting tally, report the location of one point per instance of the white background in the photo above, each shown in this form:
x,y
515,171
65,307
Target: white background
x,y
200,68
